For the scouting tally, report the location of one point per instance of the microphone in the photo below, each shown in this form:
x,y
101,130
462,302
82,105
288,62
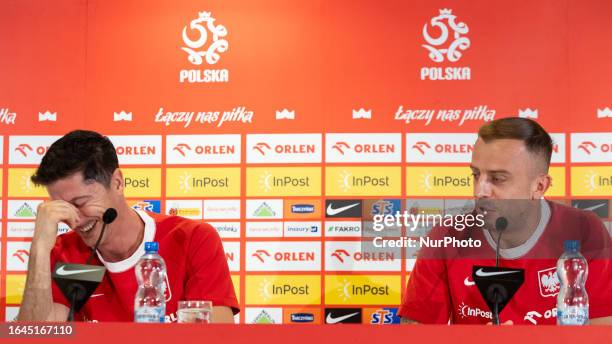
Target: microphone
x,y
497,285
78,281
109,216
500,225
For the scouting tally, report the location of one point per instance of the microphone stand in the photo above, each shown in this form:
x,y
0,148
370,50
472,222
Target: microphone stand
x,y
496,296
109,216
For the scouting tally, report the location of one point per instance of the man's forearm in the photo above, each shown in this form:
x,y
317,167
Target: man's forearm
x,y
37,303
408,321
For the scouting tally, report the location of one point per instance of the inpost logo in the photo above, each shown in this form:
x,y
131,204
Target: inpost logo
x,y
20,184
557,187
439,181
203,182
466,311
200,49
362,290
142,182
445,48
363,181
591,181
283,181
15,285
283,290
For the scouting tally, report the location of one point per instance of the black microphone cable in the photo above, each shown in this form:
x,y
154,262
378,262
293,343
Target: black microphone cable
x,y
109,216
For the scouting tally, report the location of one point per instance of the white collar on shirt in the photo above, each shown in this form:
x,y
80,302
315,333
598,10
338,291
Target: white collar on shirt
x,y
129,262
521,250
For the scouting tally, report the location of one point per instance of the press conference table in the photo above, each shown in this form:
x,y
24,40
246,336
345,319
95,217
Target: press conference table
x,y
116,333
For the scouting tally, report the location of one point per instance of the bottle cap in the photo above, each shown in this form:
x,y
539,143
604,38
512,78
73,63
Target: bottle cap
x,y
571,245
151,246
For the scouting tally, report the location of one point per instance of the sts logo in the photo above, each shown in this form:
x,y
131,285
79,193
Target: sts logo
x,y
152,206
381,316
383,207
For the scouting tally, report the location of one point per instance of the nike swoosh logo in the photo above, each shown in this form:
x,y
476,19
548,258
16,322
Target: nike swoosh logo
x,y
331,320
481,273
468,283
63,272
96,295
595,207
331,211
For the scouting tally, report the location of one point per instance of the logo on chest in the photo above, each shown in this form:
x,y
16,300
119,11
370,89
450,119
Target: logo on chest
x,y
548,282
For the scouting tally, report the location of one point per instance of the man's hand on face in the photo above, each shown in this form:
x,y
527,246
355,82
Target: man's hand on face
x,y
48,216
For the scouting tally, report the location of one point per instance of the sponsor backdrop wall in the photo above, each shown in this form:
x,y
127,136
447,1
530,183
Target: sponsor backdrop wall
x,y
284,123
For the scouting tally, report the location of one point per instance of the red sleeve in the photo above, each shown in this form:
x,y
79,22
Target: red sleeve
x,y
598,247
208,274
427,298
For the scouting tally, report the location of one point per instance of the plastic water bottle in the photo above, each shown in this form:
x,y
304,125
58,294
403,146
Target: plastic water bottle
x,y
572,300
150,300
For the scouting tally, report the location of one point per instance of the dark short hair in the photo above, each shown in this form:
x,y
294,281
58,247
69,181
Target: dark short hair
x,y
78,151
535,138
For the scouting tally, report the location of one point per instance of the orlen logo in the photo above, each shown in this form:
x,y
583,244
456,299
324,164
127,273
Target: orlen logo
x,y
25,149
264,256
263,148
342,146
22,255
343,255
284,148
200,49
184,148
586,146
421,146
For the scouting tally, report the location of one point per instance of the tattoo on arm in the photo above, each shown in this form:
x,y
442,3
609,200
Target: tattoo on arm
x,y
408,321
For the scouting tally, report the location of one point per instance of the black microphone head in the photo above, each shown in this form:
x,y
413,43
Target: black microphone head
x,y
109,215
501,223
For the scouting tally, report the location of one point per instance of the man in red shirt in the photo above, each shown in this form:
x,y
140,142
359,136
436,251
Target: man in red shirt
x,y
510,172
83,179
